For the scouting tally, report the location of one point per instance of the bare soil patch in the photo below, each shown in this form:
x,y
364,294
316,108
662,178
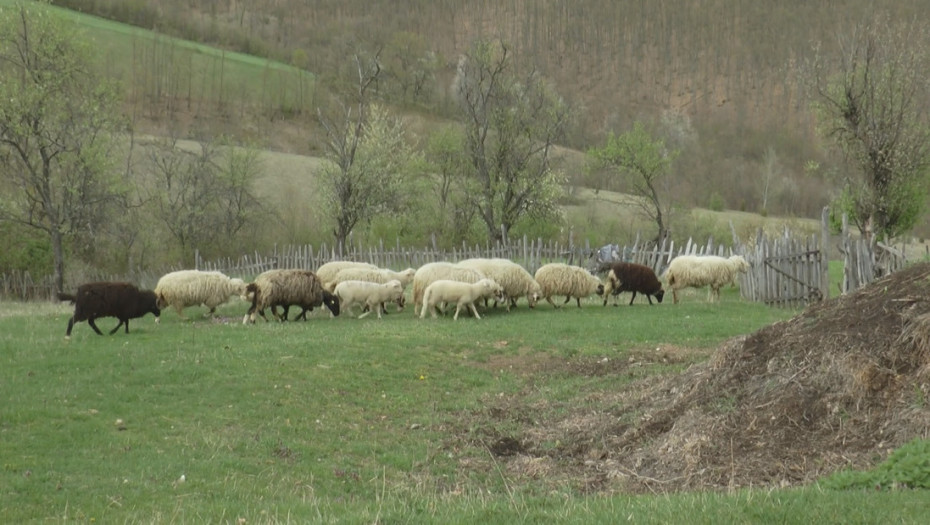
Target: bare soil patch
x,y
840,385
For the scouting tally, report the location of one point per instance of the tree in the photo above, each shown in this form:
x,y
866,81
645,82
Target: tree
x,y
511,125
873,105
58,119
645,161
369,157
445,155
203,193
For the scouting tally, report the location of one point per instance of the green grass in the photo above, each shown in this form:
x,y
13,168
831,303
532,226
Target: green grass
x,y
340,420
156,66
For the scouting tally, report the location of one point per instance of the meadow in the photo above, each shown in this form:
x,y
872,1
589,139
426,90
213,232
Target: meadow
x,y
340,420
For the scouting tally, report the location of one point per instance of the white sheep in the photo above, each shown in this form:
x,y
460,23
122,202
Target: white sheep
x,y
435,271
513,278
369,294
462,294
185,288
697,271
568,280
373,275
327,272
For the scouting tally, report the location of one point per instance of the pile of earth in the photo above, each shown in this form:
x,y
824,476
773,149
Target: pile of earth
x,y
838,386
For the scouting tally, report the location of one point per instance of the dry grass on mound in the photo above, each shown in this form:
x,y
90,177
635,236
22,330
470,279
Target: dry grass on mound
x,y
840,385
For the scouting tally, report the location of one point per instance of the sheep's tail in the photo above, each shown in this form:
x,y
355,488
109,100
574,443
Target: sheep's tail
x,y
65,297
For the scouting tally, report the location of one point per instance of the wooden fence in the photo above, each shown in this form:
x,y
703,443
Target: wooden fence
x,y
787,271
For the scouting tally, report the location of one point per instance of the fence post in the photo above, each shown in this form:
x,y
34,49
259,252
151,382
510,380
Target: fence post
x,y
824,253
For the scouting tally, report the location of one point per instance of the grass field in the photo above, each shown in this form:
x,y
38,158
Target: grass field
x,y
344,420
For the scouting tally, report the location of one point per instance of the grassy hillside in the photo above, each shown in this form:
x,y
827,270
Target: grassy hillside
x,y
180,86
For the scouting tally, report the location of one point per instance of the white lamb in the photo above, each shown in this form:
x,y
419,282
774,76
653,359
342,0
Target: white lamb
x,y
697,271
568,280
431,272
370,295
462,294
185,288
513,278
373,275
327,272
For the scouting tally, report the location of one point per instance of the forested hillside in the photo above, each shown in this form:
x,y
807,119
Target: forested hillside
x,y
453,122
724,75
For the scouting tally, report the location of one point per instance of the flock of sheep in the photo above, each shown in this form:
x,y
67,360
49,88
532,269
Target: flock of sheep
x,y
342,285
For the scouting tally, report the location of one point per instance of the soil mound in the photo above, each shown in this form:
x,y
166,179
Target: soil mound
x,y
840,385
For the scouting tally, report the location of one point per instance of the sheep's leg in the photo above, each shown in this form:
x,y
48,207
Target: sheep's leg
x,y
552,302
474,310
567,299
93,325
634,297
121,323
675,296
648,297
180,310
70,326
577,299
365,311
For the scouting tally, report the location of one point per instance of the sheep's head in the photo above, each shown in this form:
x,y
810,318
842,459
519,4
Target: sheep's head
x,y
741,263
613,286
535,294
238,287
659,295
332,302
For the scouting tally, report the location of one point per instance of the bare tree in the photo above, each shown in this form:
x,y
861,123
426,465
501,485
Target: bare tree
x,y
57,121
202,194
872,102
511,125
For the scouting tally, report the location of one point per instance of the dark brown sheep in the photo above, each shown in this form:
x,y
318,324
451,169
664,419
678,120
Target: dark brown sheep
x,y
632,277
123,301
287,287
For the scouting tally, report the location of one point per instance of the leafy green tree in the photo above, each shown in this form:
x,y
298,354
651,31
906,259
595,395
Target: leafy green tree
x,y
369,156
872,102
372,182
511,125
58,119
645,162
448,164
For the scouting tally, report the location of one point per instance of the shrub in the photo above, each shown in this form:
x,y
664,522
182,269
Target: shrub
x,y
907,467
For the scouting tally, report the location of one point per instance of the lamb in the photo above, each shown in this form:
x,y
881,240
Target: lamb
x,y
194,288
110,299
373,275
568,280
462,294
431,272
632,277
696,271
513,278
369,294
327,272
286,287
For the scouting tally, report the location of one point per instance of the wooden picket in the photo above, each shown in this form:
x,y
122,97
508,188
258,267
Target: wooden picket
x,y
786,270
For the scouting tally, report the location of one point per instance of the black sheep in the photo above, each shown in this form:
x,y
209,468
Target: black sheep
x,y
632,277
110,299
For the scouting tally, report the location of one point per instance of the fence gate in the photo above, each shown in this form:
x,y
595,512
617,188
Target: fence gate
x,y
786,272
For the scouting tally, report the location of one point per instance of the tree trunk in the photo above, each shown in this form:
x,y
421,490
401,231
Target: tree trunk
x,y
58,259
